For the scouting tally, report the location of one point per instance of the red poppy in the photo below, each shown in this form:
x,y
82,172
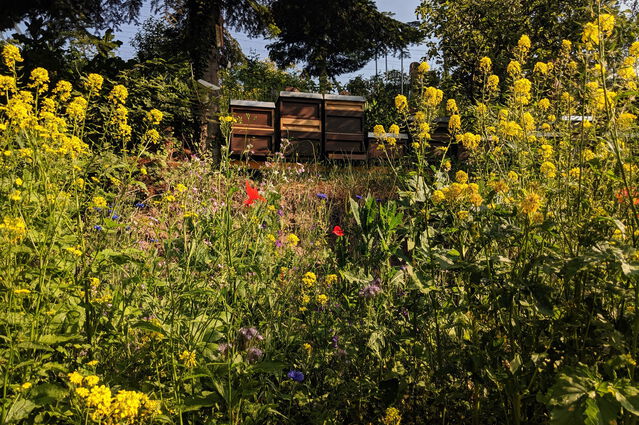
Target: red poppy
x,y
252,194
337,231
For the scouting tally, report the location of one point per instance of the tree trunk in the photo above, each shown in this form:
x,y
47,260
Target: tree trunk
x,y
206,34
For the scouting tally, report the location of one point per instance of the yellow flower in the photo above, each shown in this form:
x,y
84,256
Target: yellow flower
x,y
118,94
607,23
63,90
181,188
92,363
626,120
437,197
602,99
11,55
15,195
423,67
566,45
18,181
420,116
226,119
82,392
26,386
521,91
393,129
76,109
492,83
93,83
309,279
12,229
305,299
39,79
432,97
292,239
548,169
541,68
7,85
451,107
188,358
100,398
463,215
524,43
461,176
470,141
527,121
401,103
379,131
545,151
331,279
321,299
308,348
21,291
154,116
627,73
454,124
91,380
485,65
531,203
513,176
590,35
99,202
543,104
513,68
75,378
392,417
74,250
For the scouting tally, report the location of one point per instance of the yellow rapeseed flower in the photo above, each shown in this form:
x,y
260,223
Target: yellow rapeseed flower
x,y
118,94
93,83
401,102
423,67
11,55
485,65
188,358
39,79
454,124
530,203
154,116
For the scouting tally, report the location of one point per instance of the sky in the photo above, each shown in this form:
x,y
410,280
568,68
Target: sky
x,y
404,10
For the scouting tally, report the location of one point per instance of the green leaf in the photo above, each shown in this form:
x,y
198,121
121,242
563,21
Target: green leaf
x,y
19,410
149,326
515,364
48,393
196,403
600,411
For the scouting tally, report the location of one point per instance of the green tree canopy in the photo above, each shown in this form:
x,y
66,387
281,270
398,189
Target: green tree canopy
x,y
334,37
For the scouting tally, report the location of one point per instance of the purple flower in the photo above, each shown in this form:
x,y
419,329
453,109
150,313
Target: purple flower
x,y
372,289
278,243
358,196
139,205
280,212
322,196
296,375
97,227
334,341
223,348
115,217
253,354
250,333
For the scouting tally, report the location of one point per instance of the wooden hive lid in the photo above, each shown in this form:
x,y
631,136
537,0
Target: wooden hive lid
x,y
344,98
401,136
253,103
301,95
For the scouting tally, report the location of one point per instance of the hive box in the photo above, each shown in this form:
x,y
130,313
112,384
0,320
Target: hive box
x,y
255,127
393,152
300,124
344,136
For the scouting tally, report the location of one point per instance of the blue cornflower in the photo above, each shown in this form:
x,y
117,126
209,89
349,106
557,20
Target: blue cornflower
x,y
322,196
296,375
115,217
139,205
97,227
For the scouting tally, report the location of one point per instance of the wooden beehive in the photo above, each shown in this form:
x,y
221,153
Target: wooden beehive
x,y
393,152
254,131
300,124
344,136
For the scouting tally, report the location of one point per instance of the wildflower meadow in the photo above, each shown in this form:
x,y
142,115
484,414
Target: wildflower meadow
x,y
487,277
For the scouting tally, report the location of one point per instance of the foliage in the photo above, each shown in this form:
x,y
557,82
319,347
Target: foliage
x,y
490,278
336,37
